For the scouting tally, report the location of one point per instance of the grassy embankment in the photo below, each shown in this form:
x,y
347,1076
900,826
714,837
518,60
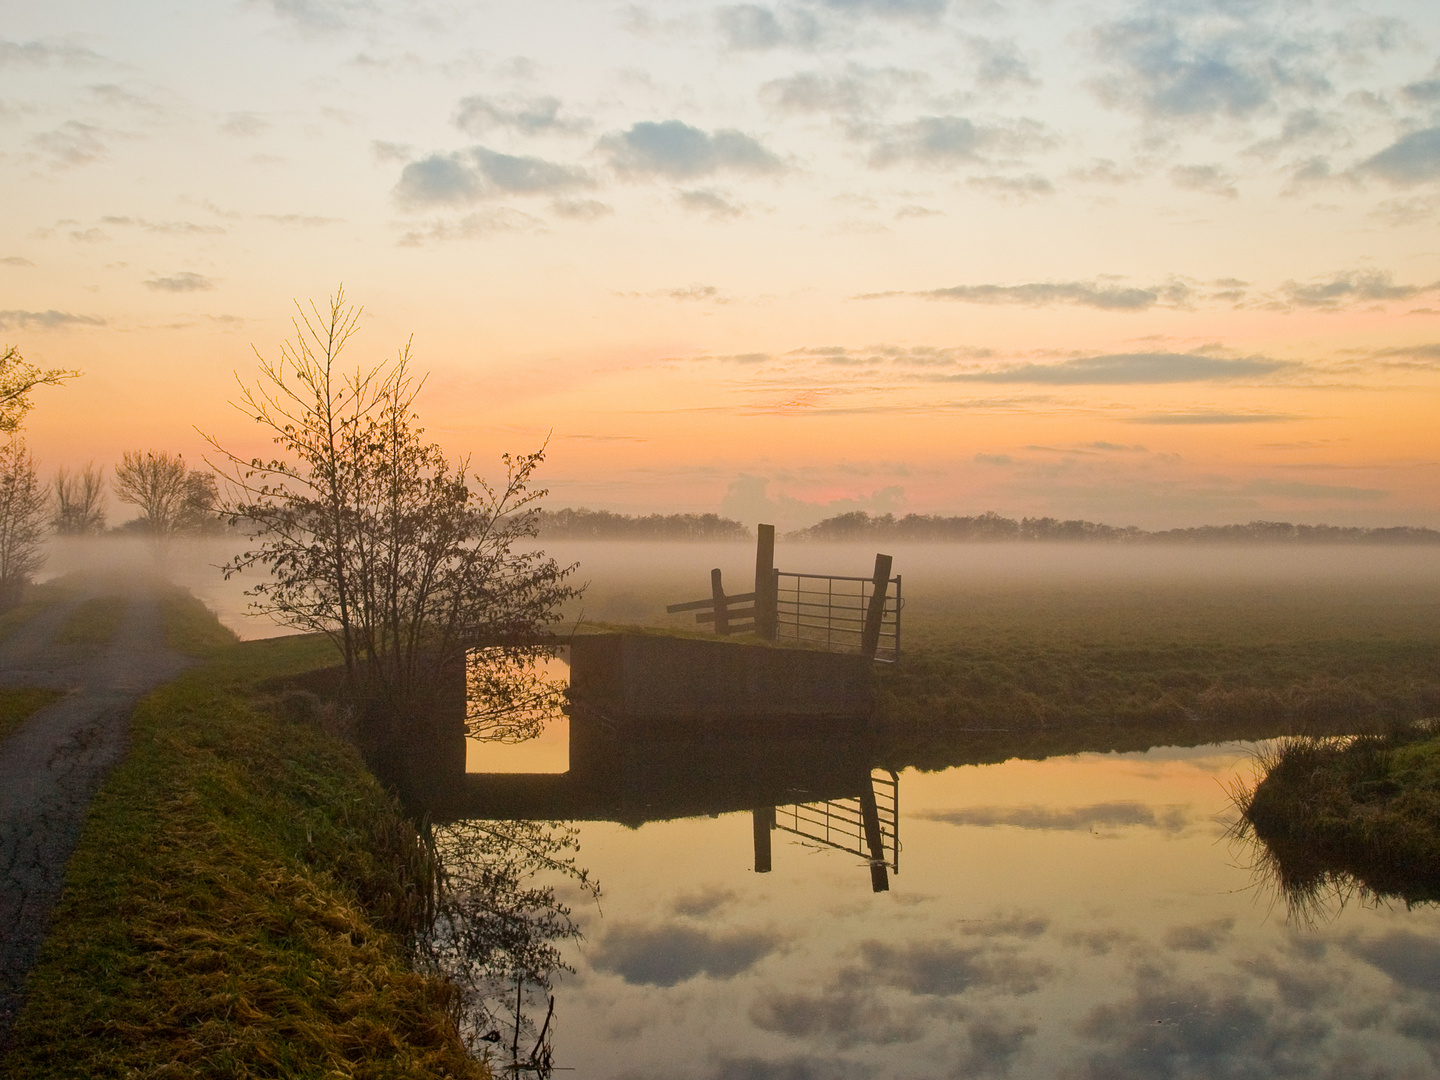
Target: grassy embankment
x,y
238,901
1341,812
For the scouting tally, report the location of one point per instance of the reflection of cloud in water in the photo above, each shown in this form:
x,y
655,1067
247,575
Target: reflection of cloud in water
x,y
1200,937
1411,960
993,1048
1016,924
666,955
1174,1028
705,902
941,969
846,1013
792,1068
1169,819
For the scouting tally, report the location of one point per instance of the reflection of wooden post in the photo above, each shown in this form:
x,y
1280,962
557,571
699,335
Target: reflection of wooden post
x,y
717,593
874,840
765,585
763,820
875,616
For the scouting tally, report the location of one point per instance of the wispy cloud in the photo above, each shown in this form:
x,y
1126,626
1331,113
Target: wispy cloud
x,y
43,52
72,143
1413,159
186,281
1206,418
1128,369
1350,287
1170,819
1097,294
479,114
941,141
46,320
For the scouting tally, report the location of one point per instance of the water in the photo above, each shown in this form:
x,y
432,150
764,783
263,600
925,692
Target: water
x,y
1079,916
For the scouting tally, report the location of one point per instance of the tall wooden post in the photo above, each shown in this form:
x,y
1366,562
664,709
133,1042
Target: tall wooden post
x,y
875,614
766,599
722,612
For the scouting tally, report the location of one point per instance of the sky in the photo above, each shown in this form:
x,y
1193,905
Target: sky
x,y
1158,263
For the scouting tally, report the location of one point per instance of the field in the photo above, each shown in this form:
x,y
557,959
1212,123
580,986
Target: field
x,y
1032,649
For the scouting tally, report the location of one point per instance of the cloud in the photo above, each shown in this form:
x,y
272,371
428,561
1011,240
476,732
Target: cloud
x,y
300,221
791,1068
16,260
954,140
667,955
1414,159
581,209
390,151
677,151
1123,369
72,143
321,16
1208,418
1167,67
998,63
754,28
1419,355
923,10
182,282
711,202
1210,179
529,116
994,1046
857,91
476,226
942,969
1366,286
1022,186
44,52
994,459
466,176
703,903
1095,294
244,124
46,320
1169,819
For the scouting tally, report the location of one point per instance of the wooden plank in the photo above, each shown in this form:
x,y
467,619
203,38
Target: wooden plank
x,y
709,602
721,616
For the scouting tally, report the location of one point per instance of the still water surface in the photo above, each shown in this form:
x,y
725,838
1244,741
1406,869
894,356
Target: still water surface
x,y
1079,916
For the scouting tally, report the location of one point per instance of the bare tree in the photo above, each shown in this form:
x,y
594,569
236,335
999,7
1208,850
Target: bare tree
x,y
172,498
372,536
79,501
23,502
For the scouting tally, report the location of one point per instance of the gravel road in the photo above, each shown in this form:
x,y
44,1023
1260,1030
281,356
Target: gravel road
x,y
52,765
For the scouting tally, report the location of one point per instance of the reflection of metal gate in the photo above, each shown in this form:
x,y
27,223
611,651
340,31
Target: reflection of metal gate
x,y
825,609
867,826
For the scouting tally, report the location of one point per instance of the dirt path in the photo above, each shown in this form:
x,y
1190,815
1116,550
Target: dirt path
x,y
52,765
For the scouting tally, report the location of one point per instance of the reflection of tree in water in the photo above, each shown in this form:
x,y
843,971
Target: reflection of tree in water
x,y
498,927
510,696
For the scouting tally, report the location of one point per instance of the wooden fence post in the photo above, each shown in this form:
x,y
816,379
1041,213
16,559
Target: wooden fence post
x,y
875,615
722,613
766,616
762,820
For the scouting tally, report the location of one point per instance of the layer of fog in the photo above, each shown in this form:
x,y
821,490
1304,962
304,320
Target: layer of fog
x,y
632,581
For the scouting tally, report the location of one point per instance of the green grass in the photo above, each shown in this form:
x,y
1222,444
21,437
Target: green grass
x,y
36,599
1351,813
238,902
191,628
18,703
94,622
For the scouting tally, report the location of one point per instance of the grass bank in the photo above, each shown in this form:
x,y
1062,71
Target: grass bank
x,y
17,703
239,900
1351,812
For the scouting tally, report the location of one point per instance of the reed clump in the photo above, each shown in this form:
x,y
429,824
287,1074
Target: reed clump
x,y
1358,813
241,901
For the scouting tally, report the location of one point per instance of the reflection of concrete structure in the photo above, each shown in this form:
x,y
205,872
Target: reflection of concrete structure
x,y
664,727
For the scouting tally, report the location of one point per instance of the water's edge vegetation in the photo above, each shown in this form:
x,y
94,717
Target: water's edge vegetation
x,y
240,899
1342,816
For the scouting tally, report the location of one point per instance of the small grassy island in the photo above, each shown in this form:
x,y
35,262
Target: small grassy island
x,y
1348,813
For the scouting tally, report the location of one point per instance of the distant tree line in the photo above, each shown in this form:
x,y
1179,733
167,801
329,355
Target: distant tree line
x,y
931,528
583,524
